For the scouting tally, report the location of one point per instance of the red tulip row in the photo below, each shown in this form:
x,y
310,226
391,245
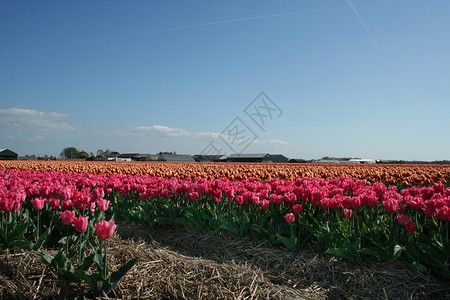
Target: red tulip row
x,y
60,193
86,191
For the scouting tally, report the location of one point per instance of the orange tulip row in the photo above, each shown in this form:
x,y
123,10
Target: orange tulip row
x,y
408,175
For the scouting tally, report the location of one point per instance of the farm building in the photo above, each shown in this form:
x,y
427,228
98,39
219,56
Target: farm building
x,y
326,161
210,158
175,157
362,161
113,156
130,157
151,157
297,160
6,154
258,157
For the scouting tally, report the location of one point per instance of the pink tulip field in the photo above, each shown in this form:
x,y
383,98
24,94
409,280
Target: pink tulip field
x,y
342,216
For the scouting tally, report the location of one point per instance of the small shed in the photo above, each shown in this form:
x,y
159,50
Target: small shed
x,y
258,158
6,154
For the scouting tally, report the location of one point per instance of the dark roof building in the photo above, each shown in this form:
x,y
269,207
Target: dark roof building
x,y
326,161
151,157
258,157
6,154
132,156
175,157
297,160
210,158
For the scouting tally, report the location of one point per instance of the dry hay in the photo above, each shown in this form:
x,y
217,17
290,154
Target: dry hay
x,y
175,264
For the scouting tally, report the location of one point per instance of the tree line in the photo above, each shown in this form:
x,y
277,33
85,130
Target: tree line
x,y
74,153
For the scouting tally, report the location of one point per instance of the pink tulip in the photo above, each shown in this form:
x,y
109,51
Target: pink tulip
x,y
410,226
264,194
325,203
229,193
369,198
66,194
193,196
379,189
255,199
290,218
67,216
444,213
438,188
390,205
17,205
356,204
414,202
402,219
124,192
316,196
290,197
99,193
297,208
105,229
164,193
218,194
265,204
38,203
347,202
428,208
80,223
102,204
6,204
348,213
278,199
144,196
54,202
273,198
239,200
67,205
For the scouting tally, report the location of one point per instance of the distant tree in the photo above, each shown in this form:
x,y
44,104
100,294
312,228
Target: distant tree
x,y
104,154
83,154
91,156
100,153
70,153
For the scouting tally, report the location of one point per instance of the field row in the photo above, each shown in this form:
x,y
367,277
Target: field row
x,y
343,216
404,175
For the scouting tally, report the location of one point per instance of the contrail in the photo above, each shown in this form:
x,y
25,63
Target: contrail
x,y
119,37
362,22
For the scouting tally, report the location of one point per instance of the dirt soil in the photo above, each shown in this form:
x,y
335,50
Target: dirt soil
x,y
176,264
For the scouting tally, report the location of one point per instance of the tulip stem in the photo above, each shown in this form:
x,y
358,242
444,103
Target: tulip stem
x,y
446,232
79,249
67,241
39,214
6,233
105,271
391,229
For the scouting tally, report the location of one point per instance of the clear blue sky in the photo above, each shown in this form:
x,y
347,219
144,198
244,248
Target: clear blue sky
x,y
360,78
